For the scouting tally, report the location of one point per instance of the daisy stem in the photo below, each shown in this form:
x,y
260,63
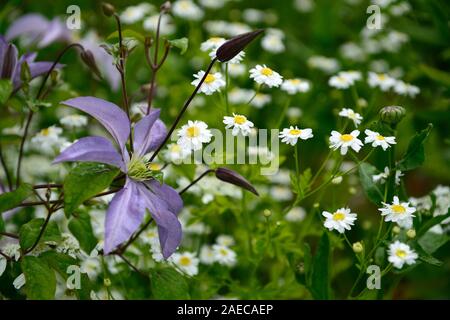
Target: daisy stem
x,y
5,168
355,96
297,169
283,113
227,81
256,93
348,241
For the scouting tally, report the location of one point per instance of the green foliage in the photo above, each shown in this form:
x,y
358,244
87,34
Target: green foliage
x,y
181,44
371,189
40,278
168,284
415,154
10,200
81,228
6,89
320,275
29,233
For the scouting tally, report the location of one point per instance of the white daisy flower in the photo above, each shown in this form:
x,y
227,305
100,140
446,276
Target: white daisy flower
x,y
296,214
344,141
400,253
381,177
281,193
291,135
406,89
213,82
187,9
207,255
224,255
175,153
135,13
239,123
212,43
273,42
293,86
352,115
340,82
166,25
239,96
377,139
236,69
352,75
19,282
213,4
225,240
187,262
265,75
340,220
327,65
150,236
74,121
397,211
48,140
381,80
260,100
193,134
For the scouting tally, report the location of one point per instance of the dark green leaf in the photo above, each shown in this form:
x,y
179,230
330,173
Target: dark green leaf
x,y
427,258
2,224
40,279
81,228
85,181
431,223
431,241
320,278
181,44
29,233
11,200
6,89
371,189
168,284
415,154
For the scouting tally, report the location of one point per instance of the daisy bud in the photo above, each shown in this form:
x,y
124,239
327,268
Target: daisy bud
x,y
337,180
232,177
89,60
107,282
108,9
357,247
267,213
232,47
165,7
392,114
316,205
396,230
411,233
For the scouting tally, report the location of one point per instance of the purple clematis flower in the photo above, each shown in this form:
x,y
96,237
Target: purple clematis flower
x,y
11,64
141,191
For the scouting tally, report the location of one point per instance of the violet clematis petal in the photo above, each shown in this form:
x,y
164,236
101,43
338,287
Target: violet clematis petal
x,y
124,216
158,134
167,194
3,47
92,149
31,25
142,133
56,30
108,114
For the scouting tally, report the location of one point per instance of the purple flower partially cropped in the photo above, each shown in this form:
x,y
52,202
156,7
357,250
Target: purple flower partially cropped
x,y
141,191
11,64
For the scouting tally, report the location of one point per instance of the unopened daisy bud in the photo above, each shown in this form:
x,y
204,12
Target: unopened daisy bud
x,y
362,102
357,247
337,180
396,229
108,9
165,7
267,213
392,114
316,205
232,47
107,282
411,233
89,60
232,177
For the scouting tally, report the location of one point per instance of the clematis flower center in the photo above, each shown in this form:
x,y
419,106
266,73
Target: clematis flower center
x,y
338,216
193,132
210,78
240,119
139,170
398,208
346,137
266,71
400,253
295,132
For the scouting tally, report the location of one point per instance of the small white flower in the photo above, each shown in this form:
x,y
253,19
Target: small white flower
x,y
239,123
135,13
19,282
291,135
212,43
340,82
327,65
187,9
294,86
187,262
265,75
400,253
150,236
240,96
175,153
344,141
193,134
91,266
381,177
377,139
69,245
236,69
273,42
225,240
213,82
12,250
281,193
397,211
340,220
206,255
352,75
296,214
398,175
166,25
352,115
212,4
3,264
224,255
48,140
260,100
74,121
406,89
294,113
381,80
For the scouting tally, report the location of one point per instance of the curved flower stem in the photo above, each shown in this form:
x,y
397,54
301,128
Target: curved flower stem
x,y
132,266
183,110
5,168
5,256
227,82
297,169
255,94
195,181
10,235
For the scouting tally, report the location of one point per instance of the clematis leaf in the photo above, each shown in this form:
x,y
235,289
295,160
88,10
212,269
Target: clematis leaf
x,y
6,89
10,200
81,228
181,44
29,232
168,284
40,278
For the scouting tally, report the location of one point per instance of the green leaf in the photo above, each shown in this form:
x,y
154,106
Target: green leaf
x,y
29,233
320,278
436,75
168,284
127,33
6,88
10,200
81,228
371,189
427,258
2,224
85,181
181,44
430,241
431,223
40,279
415,154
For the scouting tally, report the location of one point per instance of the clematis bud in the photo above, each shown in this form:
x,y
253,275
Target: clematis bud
x,y
232,177
232,47
89,60
392,114
9,62
108,9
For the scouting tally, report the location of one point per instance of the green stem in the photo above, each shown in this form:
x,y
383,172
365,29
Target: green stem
x,y
283,113
227,81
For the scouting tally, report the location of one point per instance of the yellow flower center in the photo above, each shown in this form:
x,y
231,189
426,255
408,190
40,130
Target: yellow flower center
x,y
346,137
295,132
338,216
400,253
45,132
382,77
266,71
223,252
175,148
185,261
380,137
154,166
215,39
240,119
193,132
398,208
296,81
210,78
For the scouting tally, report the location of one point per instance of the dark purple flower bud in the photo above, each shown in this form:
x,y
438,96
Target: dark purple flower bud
x,y
9,62
108,9
232,177
89,60
232,47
